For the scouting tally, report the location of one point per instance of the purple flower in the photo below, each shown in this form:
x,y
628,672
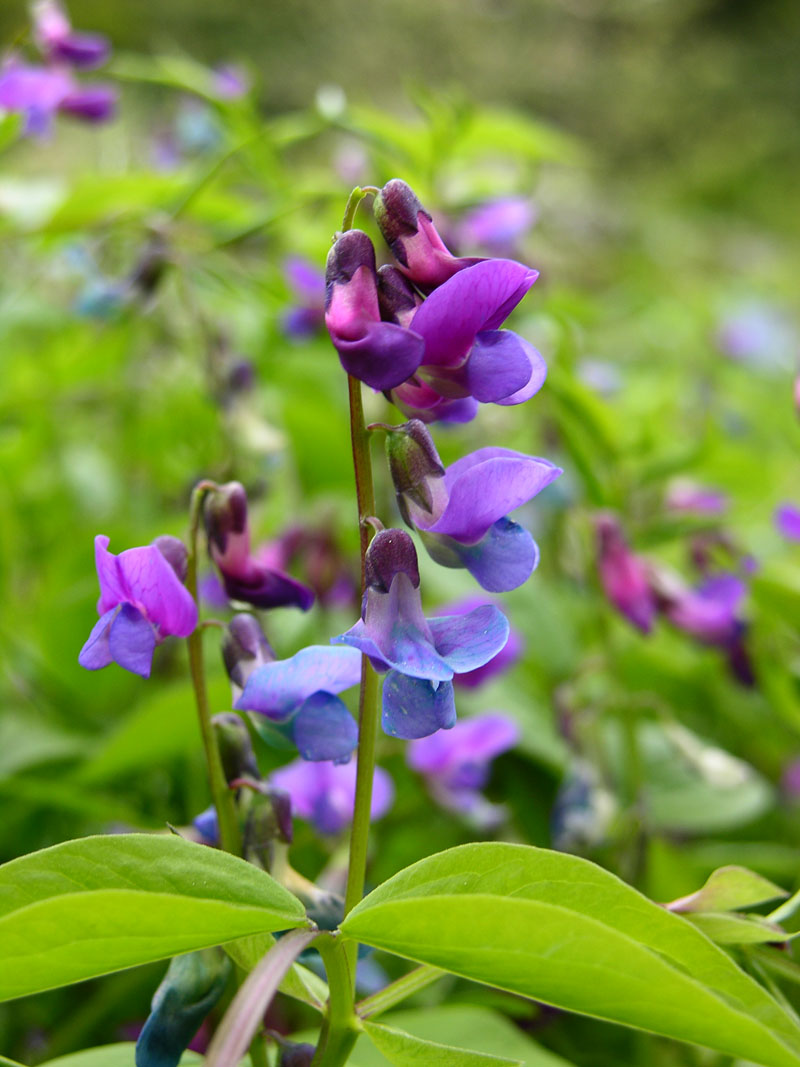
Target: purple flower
x,y
686,495
462,512
307,283
710,612
499,664
409,232
230,82
382,354
35,92
759,335
787,521
498,224
142,601
298,694
623,575
245,578
57,41
207,825
421,655
92,103
324,794
456,764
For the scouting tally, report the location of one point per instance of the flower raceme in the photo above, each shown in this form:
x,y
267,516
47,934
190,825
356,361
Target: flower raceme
x,y
324,793
420,655
142,601
462,512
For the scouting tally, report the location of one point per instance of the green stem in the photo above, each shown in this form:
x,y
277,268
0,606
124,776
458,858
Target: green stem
x,y
230,836
398,991
341,1027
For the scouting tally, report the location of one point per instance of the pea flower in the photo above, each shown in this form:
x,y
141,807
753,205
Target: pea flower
x,y
420,655
787,521
307,283
456,765
623,575
298,695
687,496
462,512
142,601
505,659
324,794
244,577
498,224
58,42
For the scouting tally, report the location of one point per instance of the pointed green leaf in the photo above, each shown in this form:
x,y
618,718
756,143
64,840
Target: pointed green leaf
x,y
403,1050
100,904
562,930
727,889
120,1055
733,929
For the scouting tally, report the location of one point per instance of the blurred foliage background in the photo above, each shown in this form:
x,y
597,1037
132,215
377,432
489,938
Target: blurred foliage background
x,y
143,344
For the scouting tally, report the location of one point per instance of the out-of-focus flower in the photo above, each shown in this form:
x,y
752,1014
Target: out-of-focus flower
x,y
790,780
324,793
603,377
462,512
456,764
244,577
322,563
624,576
142,601
57,41
307,283
421,655
583,811
230,82
787,521
759,335
686,495
34,92
299,695
498,225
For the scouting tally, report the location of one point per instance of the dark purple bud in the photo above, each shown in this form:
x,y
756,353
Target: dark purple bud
x,y
85,51
244,648
94,104
267,822
175,553
391,552
296,1056
416,470
397,298
225,519
148,272
351,252
235,747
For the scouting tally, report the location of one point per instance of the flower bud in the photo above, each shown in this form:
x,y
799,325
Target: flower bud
x,y
391,552
397,298
296,1055
623,575
409,231
417,471
56,39
235,747
175,553
97,103
244,647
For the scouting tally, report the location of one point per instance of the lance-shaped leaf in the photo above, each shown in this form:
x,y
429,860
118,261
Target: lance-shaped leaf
x,y
727,889
403,1050
120,1055
100,904
734,929
562,930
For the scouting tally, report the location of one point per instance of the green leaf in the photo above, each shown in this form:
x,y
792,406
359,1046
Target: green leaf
x,y
738,929
89,907
727,889
300,983
5,1062
120,1055
561,930
403,1050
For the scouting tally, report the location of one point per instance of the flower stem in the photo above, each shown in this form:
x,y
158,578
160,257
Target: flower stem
x,y
398,991
230,837
341,1026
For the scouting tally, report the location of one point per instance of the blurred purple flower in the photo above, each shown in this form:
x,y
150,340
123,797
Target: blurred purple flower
x,y
324,793
710,612
758,334
230,82
623,575
142,601
787,521
603,377
298,693
790,780
57,41
245,578
498,225
456,764
34,92
91,103
307,283
421,655
686,495
207,825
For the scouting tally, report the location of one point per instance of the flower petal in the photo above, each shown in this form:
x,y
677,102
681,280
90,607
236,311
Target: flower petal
x,y
152,584
468,641
535,381
485,486
471,743
131,641
95,653
266,588
499,365
476,298
276,689
502,560
112,586
323,729
413,708
384,357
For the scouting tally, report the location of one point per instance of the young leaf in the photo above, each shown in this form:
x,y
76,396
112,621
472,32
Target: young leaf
x,y
727,889
561,930
734,929
100,904
403,1050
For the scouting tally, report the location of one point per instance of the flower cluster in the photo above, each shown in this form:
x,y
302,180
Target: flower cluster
x,y
427,329
38,91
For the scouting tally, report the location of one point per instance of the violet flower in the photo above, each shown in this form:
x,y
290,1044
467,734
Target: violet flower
x,y
324,793
787,521
462,512
505,659
142,601
421,655
298,695
58,42
686,495
623,575
498,225
34,92
456,764
307,283
244,577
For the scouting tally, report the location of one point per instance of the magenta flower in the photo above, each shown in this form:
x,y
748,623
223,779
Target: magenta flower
x,y
462,512
58,42
244,577
456,764
686,495
324,793
299,695
623,575
38,93
787,521
710,612
142,601
421,655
